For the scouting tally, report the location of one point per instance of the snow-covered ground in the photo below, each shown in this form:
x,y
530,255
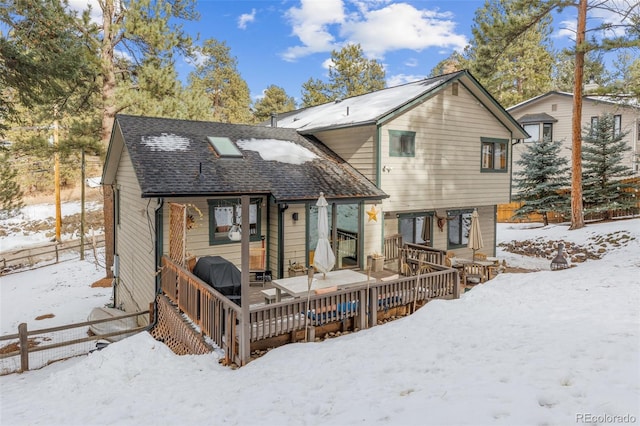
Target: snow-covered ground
x,y
20,234
550,347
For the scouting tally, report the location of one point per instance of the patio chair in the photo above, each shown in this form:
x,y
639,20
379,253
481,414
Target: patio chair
x,y
473,273
257,266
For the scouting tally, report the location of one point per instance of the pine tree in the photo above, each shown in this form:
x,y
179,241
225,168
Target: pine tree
x,y
603,170
514,71
507,29
542,182
564,68
10,193
218,77
275,100
351,74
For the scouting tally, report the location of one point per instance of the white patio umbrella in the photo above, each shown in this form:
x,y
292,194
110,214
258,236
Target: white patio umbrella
x,y
323,258
475,236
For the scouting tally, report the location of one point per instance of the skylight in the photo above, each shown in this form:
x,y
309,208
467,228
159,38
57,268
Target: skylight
x,y
224,147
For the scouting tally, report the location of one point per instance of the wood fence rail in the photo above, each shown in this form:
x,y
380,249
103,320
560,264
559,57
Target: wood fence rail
x,y
13,259
24,348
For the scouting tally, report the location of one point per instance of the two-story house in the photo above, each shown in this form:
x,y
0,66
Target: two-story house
x,y
415,159
550,116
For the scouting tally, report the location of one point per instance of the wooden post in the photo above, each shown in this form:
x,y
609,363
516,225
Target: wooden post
x,y
56,169
373,307
245,337
456,286
24,347
82,200
362,314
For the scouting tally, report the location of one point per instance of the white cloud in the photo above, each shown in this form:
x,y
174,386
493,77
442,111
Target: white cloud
x,y
245,18
411,62
81,5
402,26
311,24
398,79
378,26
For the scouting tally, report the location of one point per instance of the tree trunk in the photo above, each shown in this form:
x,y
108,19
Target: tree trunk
x,y
108,117
577,216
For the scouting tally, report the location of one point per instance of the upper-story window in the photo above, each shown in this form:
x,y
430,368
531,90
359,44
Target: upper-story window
x,y
494,155
594,124
536,130
617,125
402,143
224,213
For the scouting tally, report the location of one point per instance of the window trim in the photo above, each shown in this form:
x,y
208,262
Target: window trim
x,y
451,214
399,134
494,141
236,204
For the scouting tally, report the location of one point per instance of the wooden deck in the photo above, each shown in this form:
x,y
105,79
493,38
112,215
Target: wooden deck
x,y
239,330
257,298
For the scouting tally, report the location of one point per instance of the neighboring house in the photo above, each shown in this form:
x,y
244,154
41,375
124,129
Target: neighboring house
x,y
550,116
415,159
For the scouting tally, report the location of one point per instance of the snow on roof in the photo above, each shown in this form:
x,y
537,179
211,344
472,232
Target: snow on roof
x,y
166,142
624,100
359,109
278,150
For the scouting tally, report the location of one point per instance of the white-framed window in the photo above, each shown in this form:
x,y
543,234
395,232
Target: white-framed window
x,y
539,131
534,131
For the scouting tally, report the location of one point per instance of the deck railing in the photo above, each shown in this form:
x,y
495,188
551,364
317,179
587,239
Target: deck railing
x,y
209,309
221,319
424,253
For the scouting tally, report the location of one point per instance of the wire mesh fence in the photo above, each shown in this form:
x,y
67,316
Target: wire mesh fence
x,y
33,349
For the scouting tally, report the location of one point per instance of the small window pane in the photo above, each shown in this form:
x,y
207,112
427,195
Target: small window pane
x,y
617,125
534,131
547,131
401,144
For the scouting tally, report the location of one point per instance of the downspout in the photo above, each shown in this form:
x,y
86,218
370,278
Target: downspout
x,y
159,218
280,241
378,183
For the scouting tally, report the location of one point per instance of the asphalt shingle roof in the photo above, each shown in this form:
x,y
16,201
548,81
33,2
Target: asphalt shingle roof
x,y
174,158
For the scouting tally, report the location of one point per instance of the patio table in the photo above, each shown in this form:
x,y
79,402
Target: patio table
x,y
298,286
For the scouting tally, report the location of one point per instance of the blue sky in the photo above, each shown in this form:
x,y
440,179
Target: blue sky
x,y
286,42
